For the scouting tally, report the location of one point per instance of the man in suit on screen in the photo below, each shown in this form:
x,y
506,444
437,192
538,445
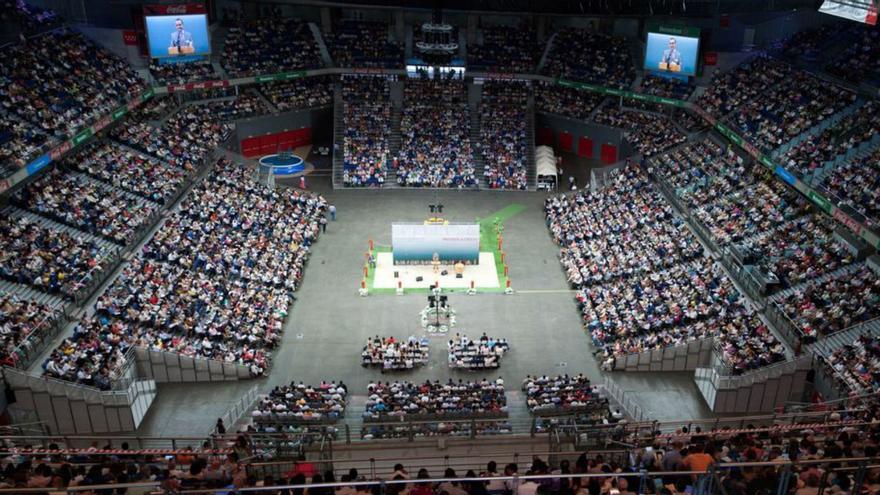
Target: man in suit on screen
x,y
671,59
181,39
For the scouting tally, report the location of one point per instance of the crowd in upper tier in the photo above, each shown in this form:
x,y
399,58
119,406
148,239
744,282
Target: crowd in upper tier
x,y
183,72
592,57
857,184
364,44
298,402
834,305
54,86
436,399
306,92
568,102
367,128
436,148
649,133
667,294
215,281
860,62
505,49
811,154
269,46
504,135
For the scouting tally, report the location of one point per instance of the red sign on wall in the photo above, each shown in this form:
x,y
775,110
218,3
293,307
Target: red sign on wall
x,y
175,9
129,37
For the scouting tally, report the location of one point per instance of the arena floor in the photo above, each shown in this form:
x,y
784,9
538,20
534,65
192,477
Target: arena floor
x,y
329,322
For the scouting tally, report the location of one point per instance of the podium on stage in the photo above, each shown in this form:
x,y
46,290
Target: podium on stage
x,y
181,50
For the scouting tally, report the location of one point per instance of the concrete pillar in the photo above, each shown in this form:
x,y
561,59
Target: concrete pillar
x,y
326,21
472,22
399,26
541,28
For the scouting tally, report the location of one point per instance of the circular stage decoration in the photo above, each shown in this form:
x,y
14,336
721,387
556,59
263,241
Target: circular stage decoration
x,y
282,164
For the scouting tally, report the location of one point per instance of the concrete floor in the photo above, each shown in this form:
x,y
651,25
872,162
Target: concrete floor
x,y
329,322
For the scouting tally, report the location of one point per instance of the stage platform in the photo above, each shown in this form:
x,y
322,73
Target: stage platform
x,y
484,274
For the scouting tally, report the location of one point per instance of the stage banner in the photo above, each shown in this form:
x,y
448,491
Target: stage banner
x,y
415,244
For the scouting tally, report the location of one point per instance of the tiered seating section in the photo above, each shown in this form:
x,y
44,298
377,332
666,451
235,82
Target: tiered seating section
x,y
19,318
184,72
505,49
568,102
851,131
592,57
834,305
202,288
770,102
436,149
367,121
310,92
364,44
858,364
503,134
662,294
269,46
860,62
649,133
857,183
54,86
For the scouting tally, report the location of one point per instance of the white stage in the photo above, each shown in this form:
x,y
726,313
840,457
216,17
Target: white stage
x,y
484,274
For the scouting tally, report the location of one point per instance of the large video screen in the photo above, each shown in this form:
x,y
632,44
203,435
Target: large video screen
x,y
178,35
672,53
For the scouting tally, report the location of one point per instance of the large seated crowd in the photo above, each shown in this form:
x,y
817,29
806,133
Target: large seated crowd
x,y
834,305
298,402
269,46
55,86
770,102
183,72
215,281
19,318
666,87
505,49
367,128
364,44
648,132
851,131
858,364
391,354
592,57
860,62
560,393
436,399
87,205
484,353
664,296
568,102
503,134
436,148
857,184
129,170
295,94
47,259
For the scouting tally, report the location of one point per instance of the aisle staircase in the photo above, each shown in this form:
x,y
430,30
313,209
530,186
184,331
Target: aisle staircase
x,y
322,47
338,135
827,345
531,166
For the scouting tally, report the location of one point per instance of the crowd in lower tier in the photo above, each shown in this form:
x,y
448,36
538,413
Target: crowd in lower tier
x,y
504,135
215,281
834,305
436,399
858,364
672,297
47,259
649,133
856,184
367,129
19,318
436,148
